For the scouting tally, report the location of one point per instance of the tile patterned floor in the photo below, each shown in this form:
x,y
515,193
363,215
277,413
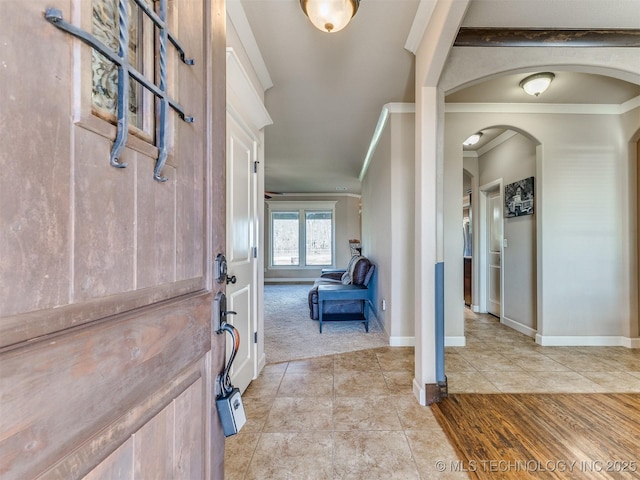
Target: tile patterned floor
x,y
516,364
353,415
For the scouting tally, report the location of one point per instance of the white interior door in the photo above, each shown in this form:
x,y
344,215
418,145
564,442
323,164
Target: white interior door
x,y
241,240
494,252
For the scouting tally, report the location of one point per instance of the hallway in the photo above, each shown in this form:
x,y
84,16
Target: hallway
x,y
353,415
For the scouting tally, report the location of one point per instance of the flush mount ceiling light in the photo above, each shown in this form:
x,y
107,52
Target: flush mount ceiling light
x,y
472,140
330,15
537,83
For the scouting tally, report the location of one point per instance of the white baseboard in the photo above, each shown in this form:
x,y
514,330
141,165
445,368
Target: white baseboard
x,y
262,362
290,280
517,326
587,341
402,341
420,393
411,341
475,308
455,341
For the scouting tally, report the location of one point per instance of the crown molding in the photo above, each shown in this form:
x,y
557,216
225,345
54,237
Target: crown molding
x,y
557,108
503,137
287,196
242,96
630,105
387,109
238,17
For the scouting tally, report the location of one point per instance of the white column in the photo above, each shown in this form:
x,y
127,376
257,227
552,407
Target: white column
x,y
440,29
428,218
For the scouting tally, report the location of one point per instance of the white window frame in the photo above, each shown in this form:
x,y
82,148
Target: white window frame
x,y
302,208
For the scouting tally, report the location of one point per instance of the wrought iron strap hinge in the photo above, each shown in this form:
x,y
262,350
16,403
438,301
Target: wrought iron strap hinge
x,y
126,70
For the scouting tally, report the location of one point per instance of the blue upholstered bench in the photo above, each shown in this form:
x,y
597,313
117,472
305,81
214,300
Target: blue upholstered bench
x,y
343,295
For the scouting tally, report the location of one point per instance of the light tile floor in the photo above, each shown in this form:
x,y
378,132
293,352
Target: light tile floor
x,y
498,359
353,415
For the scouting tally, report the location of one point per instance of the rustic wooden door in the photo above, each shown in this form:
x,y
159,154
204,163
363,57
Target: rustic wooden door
x,y
107,354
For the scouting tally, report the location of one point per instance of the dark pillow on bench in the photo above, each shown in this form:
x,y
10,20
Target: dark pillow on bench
x,y
360,271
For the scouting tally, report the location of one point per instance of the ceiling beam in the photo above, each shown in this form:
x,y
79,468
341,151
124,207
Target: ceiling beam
x,y
500,37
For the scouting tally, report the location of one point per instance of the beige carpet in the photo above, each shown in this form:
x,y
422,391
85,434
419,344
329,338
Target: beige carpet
x,y
289,333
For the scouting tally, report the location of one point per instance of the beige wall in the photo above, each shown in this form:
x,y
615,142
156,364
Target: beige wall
x,y
510,161
377,234
388,224
607,310
585,234
586,208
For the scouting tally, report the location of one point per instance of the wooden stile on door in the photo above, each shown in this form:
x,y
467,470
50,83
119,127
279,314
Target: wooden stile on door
x,y
107,354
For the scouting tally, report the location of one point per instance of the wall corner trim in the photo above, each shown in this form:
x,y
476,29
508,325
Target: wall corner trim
x,y
436,391
519,327
387,109
419,392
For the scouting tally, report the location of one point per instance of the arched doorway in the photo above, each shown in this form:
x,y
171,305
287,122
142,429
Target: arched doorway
x,y
566,174
464,68
505,247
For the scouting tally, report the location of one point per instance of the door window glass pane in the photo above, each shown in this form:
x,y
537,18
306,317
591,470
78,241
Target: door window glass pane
x,y
105,73
285,227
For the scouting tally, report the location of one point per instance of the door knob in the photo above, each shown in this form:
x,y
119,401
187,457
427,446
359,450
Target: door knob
x,y
231,279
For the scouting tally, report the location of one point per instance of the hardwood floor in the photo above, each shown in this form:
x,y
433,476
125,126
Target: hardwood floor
x,y
543,435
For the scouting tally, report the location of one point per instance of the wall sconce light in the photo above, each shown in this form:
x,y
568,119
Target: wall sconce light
x,y
472,140
537,83
330,15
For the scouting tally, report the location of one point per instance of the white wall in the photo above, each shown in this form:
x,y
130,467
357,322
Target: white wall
x,y
388,224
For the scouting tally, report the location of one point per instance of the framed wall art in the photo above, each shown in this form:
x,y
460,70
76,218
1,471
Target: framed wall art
x,y
518,198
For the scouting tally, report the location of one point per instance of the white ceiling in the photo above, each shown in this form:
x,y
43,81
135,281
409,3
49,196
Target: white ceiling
x,y
329,89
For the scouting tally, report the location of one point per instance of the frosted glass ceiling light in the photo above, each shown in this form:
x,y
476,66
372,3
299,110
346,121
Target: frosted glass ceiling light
x,y
538,83
472,140
330,15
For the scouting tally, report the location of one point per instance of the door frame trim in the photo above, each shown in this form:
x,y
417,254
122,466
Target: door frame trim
x,y
483,237
254,322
